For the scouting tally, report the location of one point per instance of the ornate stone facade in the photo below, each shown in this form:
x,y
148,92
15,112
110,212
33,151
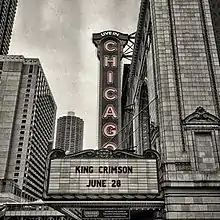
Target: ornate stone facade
x,y
176,54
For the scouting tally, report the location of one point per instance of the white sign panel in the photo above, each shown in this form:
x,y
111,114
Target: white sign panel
x,y
103,176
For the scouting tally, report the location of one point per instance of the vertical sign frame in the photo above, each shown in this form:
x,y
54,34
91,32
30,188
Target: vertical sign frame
x,y
110,50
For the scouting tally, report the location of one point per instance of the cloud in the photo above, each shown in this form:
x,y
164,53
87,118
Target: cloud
x,y
59,33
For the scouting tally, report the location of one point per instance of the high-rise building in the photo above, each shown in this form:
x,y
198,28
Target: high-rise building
x,y
69,136
174,91
7,14
27,120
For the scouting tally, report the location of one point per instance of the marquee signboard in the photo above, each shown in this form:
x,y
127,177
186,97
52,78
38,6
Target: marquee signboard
x,y
110,46
103,176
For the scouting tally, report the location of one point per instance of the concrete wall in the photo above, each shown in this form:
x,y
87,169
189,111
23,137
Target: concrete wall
x,y
9,89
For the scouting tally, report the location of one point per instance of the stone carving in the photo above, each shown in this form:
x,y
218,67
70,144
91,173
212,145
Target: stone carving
x,y
201,116
153,128
104,153
183,166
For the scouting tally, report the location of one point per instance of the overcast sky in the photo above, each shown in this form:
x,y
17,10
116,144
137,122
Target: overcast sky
x,y
59,33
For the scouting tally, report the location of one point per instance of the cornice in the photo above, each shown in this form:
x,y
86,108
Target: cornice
x,y
138,37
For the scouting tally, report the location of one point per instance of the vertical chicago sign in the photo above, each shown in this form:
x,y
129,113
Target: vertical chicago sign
x,y
110,48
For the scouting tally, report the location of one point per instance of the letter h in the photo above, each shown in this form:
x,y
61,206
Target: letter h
x,y
108,60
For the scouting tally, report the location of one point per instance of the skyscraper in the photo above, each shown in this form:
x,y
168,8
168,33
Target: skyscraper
x,y
27,119
7,14
70,133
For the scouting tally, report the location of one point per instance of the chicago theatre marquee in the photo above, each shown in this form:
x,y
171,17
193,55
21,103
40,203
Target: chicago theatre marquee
x,y
110,48
174,76
107,183
104,184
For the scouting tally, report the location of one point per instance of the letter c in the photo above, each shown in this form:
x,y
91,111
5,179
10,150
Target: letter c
x,y
110,46
110,93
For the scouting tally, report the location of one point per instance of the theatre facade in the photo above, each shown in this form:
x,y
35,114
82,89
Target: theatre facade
x,y
166,109
173,86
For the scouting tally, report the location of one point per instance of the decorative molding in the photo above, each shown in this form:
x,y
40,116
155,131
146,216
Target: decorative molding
x,y
151,154
153,130
102,154
201,116
101,197
56,153
183,166
138,38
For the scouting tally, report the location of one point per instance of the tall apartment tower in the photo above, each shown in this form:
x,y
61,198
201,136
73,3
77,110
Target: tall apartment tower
x,y
174,88
7,14
27,120
70,133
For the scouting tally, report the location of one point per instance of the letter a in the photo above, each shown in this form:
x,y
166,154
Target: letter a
x,y
110,112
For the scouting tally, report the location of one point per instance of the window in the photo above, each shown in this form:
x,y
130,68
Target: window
x,y
18,161
22,132
25,105
18,155
31,69
27,95
15,180
29,81
205,147
21,138
25,111
17,168
22,127
28,85
23,121
26,100
16,174
28,90
19,149
24,116
20,144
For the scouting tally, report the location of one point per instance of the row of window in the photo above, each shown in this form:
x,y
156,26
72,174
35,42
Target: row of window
x,y
22,130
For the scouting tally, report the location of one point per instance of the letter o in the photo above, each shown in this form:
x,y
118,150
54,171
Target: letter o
x,y
110,145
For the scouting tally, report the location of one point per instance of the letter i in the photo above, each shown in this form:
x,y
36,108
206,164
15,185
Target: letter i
x,y
109,77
